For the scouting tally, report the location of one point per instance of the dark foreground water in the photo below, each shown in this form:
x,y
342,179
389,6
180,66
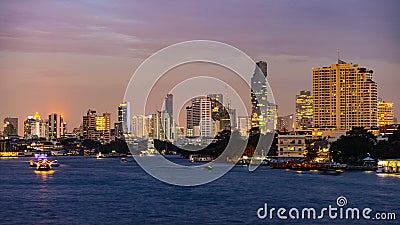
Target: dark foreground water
x,y
90,191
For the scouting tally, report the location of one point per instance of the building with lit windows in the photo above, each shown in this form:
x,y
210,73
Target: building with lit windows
x,y
344,96
206,121
140,126
384,113
124,118
244,125
304,110
291,145
56,126
263,110
35,127
96,128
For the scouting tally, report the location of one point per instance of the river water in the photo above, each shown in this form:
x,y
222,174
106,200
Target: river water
x,y
86,190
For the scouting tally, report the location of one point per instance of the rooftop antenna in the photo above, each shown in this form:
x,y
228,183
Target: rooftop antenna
x,y
338,56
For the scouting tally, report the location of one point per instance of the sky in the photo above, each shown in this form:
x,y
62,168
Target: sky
x,y
69,56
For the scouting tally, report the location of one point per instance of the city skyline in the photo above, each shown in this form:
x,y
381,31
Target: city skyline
x,y
53,62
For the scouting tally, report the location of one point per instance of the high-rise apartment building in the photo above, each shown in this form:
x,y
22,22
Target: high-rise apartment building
x,y
304,110
56,126
344,96
384,113
97,128
206,121
140,126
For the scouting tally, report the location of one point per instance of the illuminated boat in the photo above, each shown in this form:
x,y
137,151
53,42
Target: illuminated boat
x,y
38,157
43,165
32,163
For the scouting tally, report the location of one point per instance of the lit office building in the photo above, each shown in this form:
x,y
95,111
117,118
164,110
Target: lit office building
x,y
124,118
384,113
263,110
304,110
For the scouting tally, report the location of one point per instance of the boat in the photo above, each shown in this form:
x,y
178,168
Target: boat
x,y
334,172
123,160
43,165
38,157
55,163
113,154
32,163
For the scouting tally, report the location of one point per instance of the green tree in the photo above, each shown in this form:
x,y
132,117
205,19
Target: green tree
x,y
352,148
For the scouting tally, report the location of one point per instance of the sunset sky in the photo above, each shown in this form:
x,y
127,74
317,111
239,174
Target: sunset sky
x,y
68,56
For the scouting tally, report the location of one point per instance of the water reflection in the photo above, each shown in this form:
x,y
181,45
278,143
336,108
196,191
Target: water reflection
x,y
44,174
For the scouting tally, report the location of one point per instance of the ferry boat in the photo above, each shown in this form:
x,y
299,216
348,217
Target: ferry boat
x,y
391,166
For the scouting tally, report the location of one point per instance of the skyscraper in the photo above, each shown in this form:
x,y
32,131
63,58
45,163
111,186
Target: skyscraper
x,y
124,117
263,110
10,126
304,110
35,127
345,96
384,113
169,106
205,118
189,122
140,125
169,110
88,123
97,128
103,132
56,126
193,116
